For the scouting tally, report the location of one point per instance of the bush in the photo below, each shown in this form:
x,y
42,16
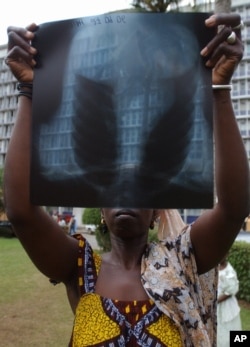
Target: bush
x,y
239,257
152,235
103,239
6,232
91,216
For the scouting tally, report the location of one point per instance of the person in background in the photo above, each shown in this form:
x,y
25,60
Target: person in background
x,y
72,226
228,309
139,293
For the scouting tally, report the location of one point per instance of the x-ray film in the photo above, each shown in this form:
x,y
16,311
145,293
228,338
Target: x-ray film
x,y
122,112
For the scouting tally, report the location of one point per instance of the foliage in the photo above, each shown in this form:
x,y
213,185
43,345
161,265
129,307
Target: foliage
x,y
239,257
152,235
91,216
6,232
103,239
154,5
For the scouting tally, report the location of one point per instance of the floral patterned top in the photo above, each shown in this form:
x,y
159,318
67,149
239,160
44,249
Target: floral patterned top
x,y
169,275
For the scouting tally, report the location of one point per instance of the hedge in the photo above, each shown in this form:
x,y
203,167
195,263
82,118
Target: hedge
x,y
239,257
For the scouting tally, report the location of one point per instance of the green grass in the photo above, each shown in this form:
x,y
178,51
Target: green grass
x,y
33,312
245,318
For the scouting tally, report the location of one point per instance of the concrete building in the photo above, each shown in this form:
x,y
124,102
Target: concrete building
x,y
8,102
241,86
240,91
241,79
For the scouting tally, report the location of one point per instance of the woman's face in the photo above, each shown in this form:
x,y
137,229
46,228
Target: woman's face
x,y
128,222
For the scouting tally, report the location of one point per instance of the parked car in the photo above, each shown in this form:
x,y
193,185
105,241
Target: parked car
x,y
90,228
6,228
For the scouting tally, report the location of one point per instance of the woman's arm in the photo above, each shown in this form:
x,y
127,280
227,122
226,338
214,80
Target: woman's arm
x,y
51,250
214,232
223,297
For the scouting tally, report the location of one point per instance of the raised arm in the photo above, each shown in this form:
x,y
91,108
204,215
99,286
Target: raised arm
x,y
214,232
51,250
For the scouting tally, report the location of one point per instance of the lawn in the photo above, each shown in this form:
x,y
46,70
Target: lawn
x,y
245,315
34,312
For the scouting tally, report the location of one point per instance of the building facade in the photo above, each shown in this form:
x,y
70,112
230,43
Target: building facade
x,y
241,81
8,102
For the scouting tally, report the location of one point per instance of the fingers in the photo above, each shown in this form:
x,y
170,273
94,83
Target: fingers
x,y
220,44
20,56
21,37
228,19
216,41
223,54
225,24
232,54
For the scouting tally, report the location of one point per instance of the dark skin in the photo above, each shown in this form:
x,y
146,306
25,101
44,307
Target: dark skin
x,y
129,239
55,253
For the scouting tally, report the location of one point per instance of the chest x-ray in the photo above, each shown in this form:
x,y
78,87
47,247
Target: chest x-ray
x,y
122,112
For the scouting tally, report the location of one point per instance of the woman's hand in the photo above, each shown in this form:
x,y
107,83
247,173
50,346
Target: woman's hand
x,y
20,57
223,57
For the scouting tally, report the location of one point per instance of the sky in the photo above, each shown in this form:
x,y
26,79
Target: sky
x,y
23,13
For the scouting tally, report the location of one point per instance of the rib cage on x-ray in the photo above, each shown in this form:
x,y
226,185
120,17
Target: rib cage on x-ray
x,y
122,103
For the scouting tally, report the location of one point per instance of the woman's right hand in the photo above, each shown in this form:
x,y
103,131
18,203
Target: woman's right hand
x,y
20,56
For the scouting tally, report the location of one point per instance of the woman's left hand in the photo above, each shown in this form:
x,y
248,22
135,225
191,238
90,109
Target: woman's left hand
x,y
223,56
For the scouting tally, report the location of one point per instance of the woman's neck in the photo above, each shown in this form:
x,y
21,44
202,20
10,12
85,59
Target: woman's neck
x,y
126,253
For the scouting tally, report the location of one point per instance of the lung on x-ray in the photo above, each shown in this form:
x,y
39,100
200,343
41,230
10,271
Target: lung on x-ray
x,y
122,112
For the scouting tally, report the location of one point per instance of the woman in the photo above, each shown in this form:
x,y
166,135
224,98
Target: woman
x,y
138,294
228,309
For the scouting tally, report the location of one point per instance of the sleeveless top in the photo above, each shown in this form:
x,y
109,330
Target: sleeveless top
x,y
103,322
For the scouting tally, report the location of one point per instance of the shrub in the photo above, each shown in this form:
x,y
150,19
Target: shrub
x,y
6,232
103,239
239,257
152,235
91,216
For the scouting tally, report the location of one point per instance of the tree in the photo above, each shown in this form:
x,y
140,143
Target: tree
x,y
154,5
93,216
